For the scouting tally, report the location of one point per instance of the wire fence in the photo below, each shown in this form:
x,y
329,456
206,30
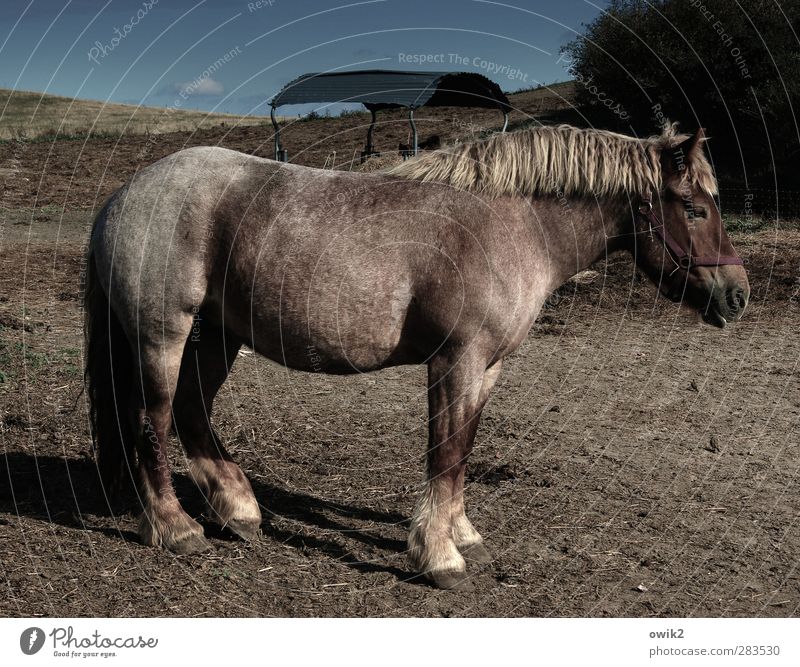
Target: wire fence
x,y
759,203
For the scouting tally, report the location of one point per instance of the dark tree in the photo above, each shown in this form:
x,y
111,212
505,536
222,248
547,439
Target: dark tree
x,y
731,66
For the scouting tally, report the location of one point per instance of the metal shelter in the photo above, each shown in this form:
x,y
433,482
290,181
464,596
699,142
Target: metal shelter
x,y
390,89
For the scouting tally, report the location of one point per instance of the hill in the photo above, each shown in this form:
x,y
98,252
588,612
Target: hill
x,y
72,172
34,115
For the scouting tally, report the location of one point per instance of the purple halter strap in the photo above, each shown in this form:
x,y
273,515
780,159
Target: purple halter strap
x,y
683,258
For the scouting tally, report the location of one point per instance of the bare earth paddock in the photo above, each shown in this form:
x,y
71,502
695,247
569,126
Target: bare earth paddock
x,y
632,462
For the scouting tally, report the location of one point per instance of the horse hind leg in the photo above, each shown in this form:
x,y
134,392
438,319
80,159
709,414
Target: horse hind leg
x,y
207,359
163,521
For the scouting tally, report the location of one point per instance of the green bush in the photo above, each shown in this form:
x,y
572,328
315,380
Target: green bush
x,y
727,66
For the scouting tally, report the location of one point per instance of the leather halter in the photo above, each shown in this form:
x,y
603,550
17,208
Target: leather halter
x,y
682,257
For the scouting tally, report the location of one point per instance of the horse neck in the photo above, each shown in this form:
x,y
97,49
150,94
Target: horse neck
x,y
587,229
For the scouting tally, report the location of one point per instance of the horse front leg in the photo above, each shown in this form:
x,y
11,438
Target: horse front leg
x,y
455,389
467,539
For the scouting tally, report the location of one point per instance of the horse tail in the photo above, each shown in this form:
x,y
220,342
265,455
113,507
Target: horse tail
x,y
108,376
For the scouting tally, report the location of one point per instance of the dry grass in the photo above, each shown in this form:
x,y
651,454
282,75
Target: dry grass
x,y
27,115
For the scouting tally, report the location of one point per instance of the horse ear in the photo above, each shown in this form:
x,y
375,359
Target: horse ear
x,y
693,146
676,159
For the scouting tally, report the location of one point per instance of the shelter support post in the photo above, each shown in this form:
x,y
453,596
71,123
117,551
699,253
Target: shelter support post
x,y
369,149
281,155
414,138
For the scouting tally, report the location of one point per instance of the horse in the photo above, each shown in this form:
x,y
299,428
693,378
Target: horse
x,y
443,260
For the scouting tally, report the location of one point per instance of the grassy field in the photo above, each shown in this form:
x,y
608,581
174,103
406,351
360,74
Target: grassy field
x,y
27,115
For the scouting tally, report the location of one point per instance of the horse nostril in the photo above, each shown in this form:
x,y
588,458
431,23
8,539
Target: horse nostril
x,y
736,299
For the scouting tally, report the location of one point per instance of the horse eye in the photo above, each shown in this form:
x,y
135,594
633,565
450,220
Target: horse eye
x,y
697,212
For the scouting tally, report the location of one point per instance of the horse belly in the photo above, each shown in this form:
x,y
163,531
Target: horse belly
x,y
349,330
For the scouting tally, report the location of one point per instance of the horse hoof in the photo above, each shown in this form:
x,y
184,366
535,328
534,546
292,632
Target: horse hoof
x,y
249,531
452,581
191,544
476,553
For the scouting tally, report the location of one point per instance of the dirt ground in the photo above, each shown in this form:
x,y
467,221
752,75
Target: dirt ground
x,y
631,462
77,175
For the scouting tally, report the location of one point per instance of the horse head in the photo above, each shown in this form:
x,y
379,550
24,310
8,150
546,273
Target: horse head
x,y
680,239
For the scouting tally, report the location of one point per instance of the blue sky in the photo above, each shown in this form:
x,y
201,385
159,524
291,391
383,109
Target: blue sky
x,y
163,52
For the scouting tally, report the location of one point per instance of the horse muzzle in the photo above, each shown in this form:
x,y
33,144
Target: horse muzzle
x,y
726,305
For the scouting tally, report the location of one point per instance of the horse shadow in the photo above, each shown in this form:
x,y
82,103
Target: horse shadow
x,y
329,517
67,492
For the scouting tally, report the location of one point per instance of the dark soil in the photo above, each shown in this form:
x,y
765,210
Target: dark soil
x,y
632,462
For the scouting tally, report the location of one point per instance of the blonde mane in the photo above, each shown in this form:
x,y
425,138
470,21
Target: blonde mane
x,y
560,159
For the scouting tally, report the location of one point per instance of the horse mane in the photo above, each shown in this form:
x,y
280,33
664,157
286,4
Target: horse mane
x,y
561,159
